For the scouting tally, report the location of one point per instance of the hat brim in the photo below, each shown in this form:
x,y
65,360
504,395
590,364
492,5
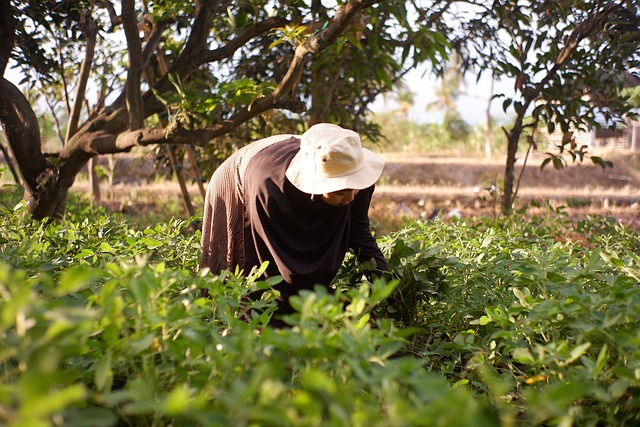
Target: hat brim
x,y
307,181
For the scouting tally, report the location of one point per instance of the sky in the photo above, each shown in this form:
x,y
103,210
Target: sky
x,y
472,105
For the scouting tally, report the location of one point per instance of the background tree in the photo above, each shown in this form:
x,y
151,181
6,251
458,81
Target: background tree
x,y
568,61
447,94
193,72
211,74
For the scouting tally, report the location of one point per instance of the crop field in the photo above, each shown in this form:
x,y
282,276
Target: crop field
x,y
528,320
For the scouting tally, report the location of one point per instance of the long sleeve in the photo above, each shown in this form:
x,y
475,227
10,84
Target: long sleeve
x,y
360,238
303,239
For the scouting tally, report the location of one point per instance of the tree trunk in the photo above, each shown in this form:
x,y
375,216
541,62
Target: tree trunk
x,y
487,132
46,186
194,165
94,181
509,171
23,135
11,163
134,72
176,166
7,33
90,33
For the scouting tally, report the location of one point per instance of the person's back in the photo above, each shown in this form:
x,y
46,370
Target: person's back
x,y
298,203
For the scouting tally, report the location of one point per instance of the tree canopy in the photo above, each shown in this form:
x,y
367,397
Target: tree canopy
x,y
204,73
569,60
191,72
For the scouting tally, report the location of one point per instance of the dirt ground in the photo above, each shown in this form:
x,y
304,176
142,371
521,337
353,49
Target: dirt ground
x,y
425,187
414,186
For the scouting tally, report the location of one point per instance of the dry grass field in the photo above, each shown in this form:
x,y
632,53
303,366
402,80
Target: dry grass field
x,y
422,187
414,186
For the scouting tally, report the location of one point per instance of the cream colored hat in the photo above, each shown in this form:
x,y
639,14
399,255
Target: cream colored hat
x,y
331,159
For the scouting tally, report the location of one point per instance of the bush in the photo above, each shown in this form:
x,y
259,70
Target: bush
x,y
485,324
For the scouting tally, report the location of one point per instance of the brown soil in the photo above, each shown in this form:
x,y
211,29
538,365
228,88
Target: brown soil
x,y
425,187
414,186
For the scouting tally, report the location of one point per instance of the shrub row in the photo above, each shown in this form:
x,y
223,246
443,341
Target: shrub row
x,y
483,324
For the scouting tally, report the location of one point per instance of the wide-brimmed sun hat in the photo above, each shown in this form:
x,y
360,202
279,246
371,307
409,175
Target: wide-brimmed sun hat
x,y
332,158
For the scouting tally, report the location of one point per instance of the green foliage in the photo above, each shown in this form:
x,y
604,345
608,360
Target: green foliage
x,y
249,57
415,275
293,34
403,135
569,62
511,323
536,322
101,324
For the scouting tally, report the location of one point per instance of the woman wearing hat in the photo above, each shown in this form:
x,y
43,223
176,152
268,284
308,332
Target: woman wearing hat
x,y
298,202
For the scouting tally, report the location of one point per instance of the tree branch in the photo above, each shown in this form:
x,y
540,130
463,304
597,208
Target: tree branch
x,y
581,32
199,37
183,65
23,134
8,24
134,71
99,140
343,18
90,33
113,16
243,38
152,42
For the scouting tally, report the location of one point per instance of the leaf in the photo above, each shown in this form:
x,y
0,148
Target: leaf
x,y
275,43
522,355
523,297
600,362
382,290
460,383
610,321
575,354
151,243
138,288
541,39
357,306
619,388
319,384
612,259
92,416
177,401
484,320
103,373
518,106
554,277
558,163
362,322
76,278
54,401
105,247
551,127
138,346
545,162
602,163
536,379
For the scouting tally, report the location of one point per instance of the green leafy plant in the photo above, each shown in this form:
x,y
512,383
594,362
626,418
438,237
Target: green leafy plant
x,y
486,324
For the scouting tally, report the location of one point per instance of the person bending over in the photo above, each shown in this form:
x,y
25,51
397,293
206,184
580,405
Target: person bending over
x,y
298,202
